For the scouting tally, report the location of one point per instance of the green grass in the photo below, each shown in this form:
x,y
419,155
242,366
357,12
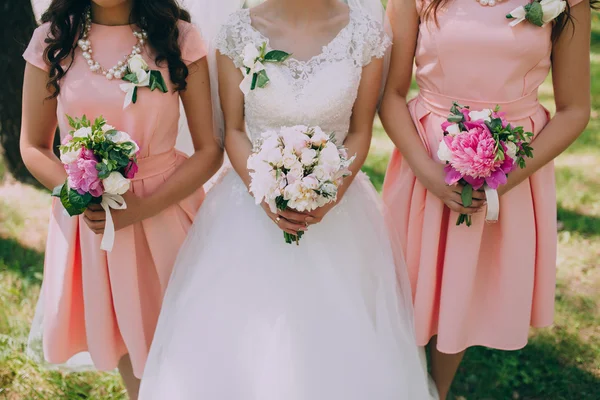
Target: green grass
x,y
560,363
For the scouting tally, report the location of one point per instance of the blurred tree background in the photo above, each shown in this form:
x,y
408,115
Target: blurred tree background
x,y
560,363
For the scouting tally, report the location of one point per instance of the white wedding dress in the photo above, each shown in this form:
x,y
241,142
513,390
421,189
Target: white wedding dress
x,y
249,317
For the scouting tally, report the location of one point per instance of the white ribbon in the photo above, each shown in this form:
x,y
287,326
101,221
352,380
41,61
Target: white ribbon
x,y
246,84
116,202
519,15
129,87
493,204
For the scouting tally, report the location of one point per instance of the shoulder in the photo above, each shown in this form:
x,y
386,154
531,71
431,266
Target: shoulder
x,y
235,33
368,36
191,42
34,54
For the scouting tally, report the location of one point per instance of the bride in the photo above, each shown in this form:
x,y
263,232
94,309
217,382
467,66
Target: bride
x,y
247,316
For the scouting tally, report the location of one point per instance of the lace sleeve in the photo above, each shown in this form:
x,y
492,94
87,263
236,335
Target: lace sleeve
x,y
373,38
232,38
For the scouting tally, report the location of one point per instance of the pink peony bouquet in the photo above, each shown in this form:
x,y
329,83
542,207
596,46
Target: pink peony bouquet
x,y
100,161
297,167
480,149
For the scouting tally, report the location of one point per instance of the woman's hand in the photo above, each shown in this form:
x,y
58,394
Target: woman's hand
x,y
433,180
95,217
288,221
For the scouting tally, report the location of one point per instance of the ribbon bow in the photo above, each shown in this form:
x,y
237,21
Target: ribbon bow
x,y
116,202
493,204
130,88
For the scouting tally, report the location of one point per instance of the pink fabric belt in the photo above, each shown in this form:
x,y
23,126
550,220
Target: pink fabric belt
x,y
515,110
156,164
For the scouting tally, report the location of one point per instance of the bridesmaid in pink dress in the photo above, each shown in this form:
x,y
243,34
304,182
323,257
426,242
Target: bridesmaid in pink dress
x,y
483,285
103,303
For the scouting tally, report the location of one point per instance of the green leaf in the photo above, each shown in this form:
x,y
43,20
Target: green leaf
x,y
65,200
276,56
103,170
131,78
79,201
535,13
262,79
281,203
455,118
467,195
157,81
254,81
72,122
134,98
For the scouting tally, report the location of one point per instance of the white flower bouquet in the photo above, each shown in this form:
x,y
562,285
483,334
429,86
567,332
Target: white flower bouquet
x,y
297,167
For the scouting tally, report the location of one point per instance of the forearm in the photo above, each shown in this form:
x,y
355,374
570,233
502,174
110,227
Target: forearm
x,y
189,177
44,166
398,124
555,138
239,149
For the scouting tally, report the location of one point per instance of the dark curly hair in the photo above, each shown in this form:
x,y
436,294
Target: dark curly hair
x,y
157,17
559,24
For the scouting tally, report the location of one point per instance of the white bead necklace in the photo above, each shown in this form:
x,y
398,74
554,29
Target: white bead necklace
x,y
489,3
119,70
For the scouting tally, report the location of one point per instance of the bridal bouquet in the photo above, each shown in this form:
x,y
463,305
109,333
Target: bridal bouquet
x,y
100,161
480,149
297,167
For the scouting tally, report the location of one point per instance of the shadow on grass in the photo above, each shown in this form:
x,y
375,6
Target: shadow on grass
x,y
549,368
14,257
572,221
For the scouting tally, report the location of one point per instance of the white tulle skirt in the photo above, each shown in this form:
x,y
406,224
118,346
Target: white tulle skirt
x,y
249,317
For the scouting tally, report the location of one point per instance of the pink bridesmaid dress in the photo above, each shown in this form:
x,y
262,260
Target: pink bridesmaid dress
x,y
103,303
483,285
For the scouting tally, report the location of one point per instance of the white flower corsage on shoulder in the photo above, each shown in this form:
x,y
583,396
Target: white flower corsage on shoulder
x,y
255,74
538,12
139,75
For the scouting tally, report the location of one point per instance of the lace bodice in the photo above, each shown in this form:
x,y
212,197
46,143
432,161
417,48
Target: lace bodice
x,y
318,92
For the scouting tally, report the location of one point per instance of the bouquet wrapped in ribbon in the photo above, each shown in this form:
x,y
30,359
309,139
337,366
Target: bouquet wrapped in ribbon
x,y
480,149
100,161
297,167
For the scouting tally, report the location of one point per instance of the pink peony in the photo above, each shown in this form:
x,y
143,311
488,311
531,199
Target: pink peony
x,y
473,157
131,169
83,175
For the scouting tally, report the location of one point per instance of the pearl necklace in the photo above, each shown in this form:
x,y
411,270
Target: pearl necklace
x,y
489,3
119,70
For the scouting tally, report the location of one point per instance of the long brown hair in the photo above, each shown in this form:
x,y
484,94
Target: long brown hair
x,y
559,24
157,17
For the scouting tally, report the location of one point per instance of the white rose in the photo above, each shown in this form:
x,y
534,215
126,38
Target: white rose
x,y
552,9
319,138
116,183
250,54
453,129
330,155
485,114
444,153
320,173
107,128
70,156
289,159
310,182
308,156
511,150
137,64
274,157
83,132
120,137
